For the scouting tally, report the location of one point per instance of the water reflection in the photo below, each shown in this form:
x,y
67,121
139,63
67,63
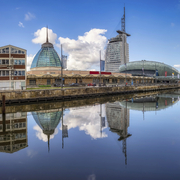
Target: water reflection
x,y
154,103
13,132
118,120
48,121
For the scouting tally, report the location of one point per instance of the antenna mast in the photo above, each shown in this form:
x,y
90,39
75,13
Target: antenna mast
x,y
123,22
47,34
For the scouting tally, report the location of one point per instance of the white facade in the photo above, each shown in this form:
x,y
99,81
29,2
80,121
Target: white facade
x,y
13,62
117,53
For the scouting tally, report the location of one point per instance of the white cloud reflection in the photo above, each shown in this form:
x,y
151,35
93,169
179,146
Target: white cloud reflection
x,y
41,136
87,119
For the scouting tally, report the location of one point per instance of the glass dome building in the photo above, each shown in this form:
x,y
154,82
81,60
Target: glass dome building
x,y
47,121
47,56
136,68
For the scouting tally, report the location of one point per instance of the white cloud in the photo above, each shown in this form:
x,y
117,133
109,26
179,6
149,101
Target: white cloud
x,y
41,136
31,153
87,119
29,16
84,52
40,36
20,24
177,66
29,61
172,24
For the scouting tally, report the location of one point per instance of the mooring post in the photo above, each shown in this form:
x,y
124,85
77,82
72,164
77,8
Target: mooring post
x,y
4,112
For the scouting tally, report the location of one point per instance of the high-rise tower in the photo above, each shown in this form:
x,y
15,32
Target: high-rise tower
x,y
117,52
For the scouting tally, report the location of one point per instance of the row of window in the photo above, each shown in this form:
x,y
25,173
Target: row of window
x,y
19,62
16,61
16,146
16,73
13,51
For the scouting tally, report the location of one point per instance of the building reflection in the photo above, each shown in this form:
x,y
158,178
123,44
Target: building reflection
x,y
118,120
155,103
48,120
13,132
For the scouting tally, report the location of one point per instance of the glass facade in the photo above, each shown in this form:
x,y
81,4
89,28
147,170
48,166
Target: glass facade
x,y
148,68
47,120
47,56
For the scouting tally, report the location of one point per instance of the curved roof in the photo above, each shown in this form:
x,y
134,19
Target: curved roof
x,y
149,103
148,65
47,121
46,56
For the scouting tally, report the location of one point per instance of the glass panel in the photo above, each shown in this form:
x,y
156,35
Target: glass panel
x,y
7,61
15,73
19,73
7,73
15,62
23,62
23,73
3,73
3,61
19,62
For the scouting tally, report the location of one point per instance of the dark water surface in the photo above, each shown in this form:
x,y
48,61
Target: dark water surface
x,y
131,139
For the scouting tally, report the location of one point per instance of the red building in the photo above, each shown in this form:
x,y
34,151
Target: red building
x,y
13,62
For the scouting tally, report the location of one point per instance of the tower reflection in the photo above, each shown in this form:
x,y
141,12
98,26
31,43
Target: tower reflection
x,y
13,132
118,120
47,120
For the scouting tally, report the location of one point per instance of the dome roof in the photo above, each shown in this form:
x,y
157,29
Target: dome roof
x,y
47,121
135,67
47,56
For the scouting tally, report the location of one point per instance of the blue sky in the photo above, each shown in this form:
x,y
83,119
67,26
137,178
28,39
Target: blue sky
x,y
154,27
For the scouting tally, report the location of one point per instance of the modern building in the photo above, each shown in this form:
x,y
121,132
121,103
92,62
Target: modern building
x,y
117,51
148,68
13,62
13,132
47,58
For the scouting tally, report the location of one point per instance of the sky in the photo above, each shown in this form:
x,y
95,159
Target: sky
x,y
83,27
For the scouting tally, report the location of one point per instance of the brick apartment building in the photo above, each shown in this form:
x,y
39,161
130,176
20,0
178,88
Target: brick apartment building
x,y
13,62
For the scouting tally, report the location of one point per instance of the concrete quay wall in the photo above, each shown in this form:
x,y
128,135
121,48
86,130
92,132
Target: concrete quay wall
x,y
73,93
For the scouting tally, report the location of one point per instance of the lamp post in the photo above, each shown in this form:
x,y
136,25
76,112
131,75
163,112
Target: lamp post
x,y
61,68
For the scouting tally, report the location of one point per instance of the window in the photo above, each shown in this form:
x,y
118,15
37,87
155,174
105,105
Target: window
x,y
15,62
5,51
32,82
0,73
3,73
48,81
3,61
19,73
0,61
23,73
15,73
19,62
23,62
7,73
7,61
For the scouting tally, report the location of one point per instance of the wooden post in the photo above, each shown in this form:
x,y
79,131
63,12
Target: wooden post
x,y
3,112
3,104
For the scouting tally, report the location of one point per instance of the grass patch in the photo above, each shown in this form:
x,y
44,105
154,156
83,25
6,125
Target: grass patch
x,y
44,85
49,88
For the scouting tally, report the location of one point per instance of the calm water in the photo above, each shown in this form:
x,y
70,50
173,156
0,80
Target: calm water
x,y
133,139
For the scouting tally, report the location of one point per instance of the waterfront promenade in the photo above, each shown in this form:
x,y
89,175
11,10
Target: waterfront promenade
x,y
27,96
